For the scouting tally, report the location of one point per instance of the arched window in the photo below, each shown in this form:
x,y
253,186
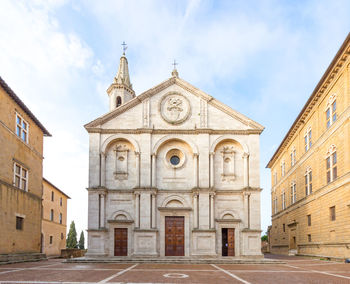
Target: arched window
x,y
119,101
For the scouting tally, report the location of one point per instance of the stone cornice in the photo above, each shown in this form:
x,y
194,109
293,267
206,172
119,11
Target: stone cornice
x,y
173,131
228,220
174,208
321,89
188,191
120,221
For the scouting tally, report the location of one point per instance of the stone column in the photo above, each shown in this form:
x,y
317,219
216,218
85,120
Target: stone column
x,y
196,178
103,169
154,176
212,169
137,209
137,156
154,211
212,215
195,210
246,209
245,169
102,210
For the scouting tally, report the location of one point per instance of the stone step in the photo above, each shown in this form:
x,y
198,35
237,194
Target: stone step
x,y
175,260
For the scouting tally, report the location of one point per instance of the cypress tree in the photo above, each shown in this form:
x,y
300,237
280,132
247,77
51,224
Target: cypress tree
x,y
72,236
81,241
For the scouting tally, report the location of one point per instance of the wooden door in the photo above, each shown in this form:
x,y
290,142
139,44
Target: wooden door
x,y
121,242
292,238
174,236
231,242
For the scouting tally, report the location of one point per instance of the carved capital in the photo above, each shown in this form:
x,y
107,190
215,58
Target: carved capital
x,y
245,155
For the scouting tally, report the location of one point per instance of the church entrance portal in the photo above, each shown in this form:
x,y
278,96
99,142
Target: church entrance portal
x,y
120,242
228,241
174,236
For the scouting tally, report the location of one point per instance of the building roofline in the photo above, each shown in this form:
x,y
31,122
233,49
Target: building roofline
x,y
44,179
313,94
12,94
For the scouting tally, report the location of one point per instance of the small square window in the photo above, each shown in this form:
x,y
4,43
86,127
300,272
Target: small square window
x,y
61,236
284,227
309,238
19,223
60,201
309,220
52,196
51,215
51,240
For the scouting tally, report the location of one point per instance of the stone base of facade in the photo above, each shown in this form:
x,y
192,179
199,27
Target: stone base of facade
x,y
191,260
21,257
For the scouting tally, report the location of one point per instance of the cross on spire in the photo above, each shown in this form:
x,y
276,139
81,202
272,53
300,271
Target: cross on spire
x,y
174,73
125,47
174,64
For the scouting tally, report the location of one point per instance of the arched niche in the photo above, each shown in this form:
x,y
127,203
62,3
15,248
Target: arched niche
x,y
167,138
229,215
229,138
116,137
228,164
120,163
174,201
120,216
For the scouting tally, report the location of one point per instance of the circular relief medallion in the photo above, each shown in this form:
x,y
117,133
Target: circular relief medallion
x,y
175,108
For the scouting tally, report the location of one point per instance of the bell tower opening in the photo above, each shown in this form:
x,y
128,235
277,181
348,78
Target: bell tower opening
x,y
119,101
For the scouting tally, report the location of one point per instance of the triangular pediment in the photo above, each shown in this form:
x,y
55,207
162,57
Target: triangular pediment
x,y
212,103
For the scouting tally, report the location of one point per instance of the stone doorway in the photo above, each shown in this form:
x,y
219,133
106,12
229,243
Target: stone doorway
x,y
174,236
120,242
228,241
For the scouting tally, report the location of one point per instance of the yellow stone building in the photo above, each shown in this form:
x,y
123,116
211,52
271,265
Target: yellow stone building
x,y
54,223
21,160
310,171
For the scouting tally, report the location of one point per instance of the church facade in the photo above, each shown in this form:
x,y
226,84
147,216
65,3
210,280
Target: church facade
x,y
172,172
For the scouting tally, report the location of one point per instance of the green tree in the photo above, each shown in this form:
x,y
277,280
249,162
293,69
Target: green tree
x,y
264,238
81,241
72,236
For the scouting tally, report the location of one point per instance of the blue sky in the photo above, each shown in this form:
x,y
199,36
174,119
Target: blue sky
x,y
262,58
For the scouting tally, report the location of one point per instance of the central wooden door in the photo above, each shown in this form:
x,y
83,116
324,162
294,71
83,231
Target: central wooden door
x,y
174,236
121,242
228,242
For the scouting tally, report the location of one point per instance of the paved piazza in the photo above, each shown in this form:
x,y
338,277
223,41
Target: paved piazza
x,y
296,270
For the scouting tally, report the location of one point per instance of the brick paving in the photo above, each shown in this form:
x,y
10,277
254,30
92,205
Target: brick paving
x,y
296,270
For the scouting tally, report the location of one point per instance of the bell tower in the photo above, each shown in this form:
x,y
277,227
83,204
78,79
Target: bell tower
x,y
120,91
